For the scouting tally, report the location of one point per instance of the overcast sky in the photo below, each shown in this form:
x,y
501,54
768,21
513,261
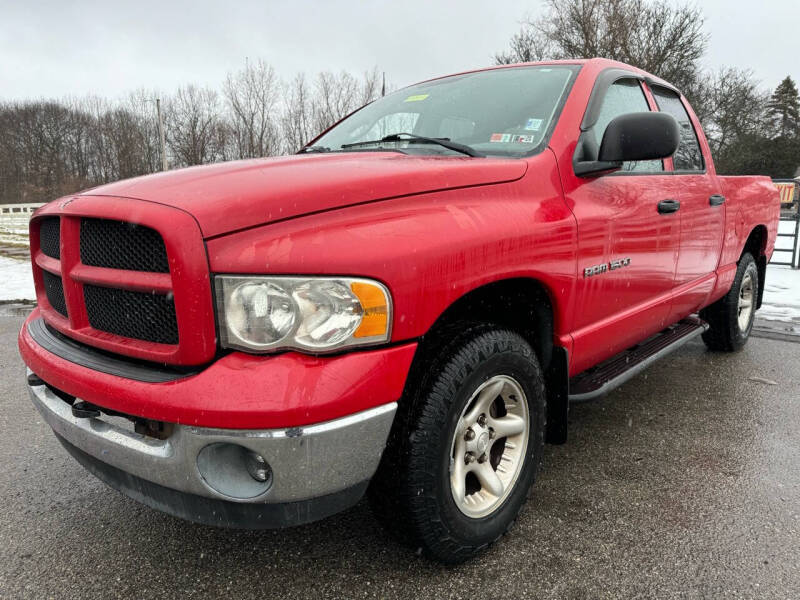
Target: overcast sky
x,y
57,48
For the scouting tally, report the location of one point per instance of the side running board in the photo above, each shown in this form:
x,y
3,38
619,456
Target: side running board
x,y
618,369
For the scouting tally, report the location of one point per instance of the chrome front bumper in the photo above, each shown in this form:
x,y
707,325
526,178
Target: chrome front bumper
x,y
307,463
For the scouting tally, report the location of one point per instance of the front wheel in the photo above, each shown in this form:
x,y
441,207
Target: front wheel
x,y
464,453
731,317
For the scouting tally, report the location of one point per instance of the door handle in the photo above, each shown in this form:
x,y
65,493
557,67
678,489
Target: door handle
x,y
668,206
716,200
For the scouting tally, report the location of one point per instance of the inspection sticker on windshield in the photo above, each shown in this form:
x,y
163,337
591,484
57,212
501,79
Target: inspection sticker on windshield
x,y
416,98
533,124
511,138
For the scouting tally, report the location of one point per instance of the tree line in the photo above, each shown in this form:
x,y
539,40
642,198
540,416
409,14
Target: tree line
x,y
751,131
51,148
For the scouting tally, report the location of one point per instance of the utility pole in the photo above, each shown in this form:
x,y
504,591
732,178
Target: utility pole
x,y
162,141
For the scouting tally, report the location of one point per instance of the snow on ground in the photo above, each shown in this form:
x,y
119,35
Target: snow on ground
x,y
785,242
16,280
782,287
14,230
781,295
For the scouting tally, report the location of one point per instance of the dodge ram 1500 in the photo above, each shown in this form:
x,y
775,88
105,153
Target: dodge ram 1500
x,y
405,308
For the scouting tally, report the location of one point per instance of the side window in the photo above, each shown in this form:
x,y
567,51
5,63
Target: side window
x,y
625,96
688,156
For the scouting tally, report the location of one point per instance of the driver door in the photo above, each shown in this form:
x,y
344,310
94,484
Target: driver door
x,y
627,249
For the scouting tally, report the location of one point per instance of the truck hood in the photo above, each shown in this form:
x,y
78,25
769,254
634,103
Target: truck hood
x,y
232,196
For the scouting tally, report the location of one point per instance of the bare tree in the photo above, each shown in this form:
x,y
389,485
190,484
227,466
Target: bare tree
x,y
252,96
731,107
525,46
659,37
664,39
370,87
141,103
193,122
308,111
52,148
296,121
336,96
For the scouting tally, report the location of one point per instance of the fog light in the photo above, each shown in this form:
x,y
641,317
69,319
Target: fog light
x,y
257,466
234,471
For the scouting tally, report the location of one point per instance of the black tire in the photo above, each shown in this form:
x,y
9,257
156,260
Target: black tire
x,y
726,334
411,492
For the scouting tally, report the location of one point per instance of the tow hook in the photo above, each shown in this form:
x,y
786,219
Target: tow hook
x,y
84,410
34,380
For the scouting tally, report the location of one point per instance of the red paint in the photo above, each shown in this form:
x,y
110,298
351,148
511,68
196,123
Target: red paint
x,y
236,195
240,391
432,229
188,279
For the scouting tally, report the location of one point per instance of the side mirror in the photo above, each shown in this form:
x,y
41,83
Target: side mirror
x,y
640,136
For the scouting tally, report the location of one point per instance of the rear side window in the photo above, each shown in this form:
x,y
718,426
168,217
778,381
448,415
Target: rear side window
x,y
624,96
688,156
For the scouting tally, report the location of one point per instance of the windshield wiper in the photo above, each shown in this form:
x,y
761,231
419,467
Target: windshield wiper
x,y
314,149
444,142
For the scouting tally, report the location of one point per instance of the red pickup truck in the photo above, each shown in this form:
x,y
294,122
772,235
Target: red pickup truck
x,y
406,308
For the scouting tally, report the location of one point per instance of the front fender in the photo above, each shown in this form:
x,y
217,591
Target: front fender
x,y
429,249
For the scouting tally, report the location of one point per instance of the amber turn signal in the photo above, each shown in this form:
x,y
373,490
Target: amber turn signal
x,y
375,318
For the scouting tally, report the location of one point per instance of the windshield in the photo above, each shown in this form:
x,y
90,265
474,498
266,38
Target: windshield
x,y
506,112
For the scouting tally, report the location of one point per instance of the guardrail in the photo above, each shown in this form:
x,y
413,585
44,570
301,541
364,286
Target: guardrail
x,y
790,213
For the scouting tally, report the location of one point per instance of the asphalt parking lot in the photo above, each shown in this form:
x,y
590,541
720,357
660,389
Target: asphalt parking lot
x,y
685,482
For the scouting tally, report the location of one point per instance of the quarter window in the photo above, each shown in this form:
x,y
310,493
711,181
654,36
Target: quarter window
x,y
623,97
688,156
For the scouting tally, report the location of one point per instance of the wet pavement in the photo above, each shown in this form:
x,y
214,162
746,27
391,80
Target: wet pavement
x,y
683,483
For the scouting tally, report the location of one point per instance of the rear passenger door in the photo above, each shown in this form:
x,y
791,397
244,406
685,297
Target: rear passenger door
x,y
702,212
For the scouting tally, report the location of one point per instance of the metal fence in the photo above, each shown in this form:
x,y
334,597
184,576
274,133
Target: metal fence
x,y
790,213
18,209
14,220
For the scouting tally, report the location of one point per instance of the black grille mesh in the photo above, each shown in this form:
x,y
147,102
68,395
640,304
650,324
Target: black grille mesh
x,y
54,289
50,237
121,245
138,315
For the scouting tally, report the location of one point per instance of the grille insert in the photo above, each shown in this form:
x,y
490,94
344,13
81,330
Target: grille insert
x,y
138,315
121,245
54,288
50,237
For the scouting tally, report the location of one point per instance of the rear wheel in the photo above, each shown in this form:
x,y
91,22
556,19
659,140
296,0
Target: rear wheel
x,y
731,317
466,447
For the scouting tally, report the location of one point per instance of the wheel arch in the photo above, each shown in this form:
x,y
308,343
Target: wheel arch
x,y
521,304
756,245
524,305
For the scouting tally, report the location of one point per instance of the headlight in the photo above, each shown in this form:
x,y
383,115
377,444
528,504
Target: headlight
x,y
317,314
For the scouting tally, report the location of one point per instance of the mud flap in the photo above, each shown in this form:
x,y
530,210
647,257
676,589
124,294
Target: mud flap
x,y
557,385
